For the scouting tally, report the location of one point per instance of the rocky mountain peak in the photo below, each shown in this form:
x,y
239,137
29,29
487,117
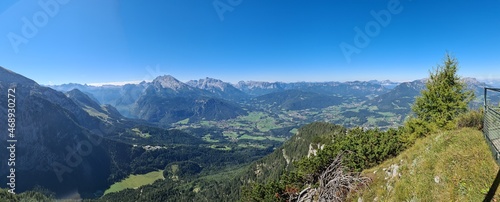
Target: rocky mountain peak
x,y
257,84
209,84
169,82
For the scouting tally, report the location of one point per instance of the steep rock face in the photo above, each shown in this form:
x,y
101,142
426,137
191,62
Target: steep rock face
x,y
167,100
257,88
59,145
169,86
130,93
219,88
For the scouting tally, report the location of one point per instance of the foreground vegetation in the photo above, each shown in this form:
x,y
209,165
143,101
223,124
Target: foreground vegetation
x,y
454,165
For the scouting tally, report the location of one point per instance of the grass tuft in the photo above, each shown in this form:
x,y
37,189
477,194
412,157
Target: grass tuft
x,y
447,166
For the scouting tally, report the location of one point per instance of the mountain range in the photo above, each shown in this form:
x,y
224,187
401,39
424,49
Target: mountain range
x,y
125,98
166,100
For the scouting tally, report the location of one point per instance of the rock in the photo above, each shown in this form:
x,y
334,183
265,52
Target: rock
x,y
392,171
437,179
395,169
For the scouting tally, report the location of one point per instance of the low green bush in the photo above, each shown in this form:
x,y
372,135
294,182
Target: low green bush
x,y
471,119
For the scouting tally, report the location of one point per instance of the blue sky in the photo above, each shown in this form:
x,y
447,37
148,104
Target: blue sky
x,y
97,41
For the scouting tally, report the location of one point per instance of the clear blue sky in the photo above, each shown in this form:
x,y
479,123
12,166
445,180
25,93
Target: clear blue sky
x,y
96,41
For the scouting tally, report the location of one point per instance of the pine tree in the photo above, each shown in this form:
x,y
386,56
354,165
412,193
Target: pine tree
x,y
445,95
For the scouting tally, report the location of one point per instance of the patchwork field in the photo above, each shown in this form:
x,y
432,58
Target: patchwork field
x,y
264,127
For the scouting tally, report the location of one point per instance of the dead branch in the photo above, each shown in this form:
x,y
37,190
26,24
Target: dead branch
x,y
334,183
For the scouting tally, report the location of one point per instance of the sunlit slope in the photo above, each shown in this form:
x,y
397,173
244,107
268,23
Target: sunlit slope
x,y
447,166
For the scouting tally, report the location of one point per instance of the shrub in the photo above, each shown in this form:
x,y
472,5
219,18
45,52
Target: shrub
x,y
415,128
471,119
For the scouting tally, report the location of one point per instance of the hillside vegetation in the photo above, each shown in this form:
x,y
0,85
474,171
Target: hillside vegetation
x,y
454,165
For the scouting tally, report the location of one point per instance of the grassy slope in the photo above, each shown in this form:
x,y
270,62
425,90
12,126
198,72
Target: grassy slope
x,y
134,181
459,160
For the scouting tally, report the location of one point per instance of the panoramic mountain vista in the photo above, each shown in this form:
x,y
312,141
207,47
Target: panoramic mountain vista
x,y
224,128
249,101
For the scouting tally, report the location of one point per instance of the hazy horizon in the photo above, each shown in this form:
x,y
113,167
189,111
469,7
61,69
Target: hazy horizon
x,y
121,83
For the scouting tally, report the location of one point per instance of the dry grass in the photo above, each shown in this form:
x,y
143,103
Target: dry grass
x,y
448,166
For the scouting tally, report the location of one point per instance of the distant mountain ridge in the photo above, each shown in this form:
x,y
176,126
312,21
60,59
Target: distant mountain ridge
x,y
167,100
219,88
403,95
168,85
225,90
297,100
355,88
400,98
